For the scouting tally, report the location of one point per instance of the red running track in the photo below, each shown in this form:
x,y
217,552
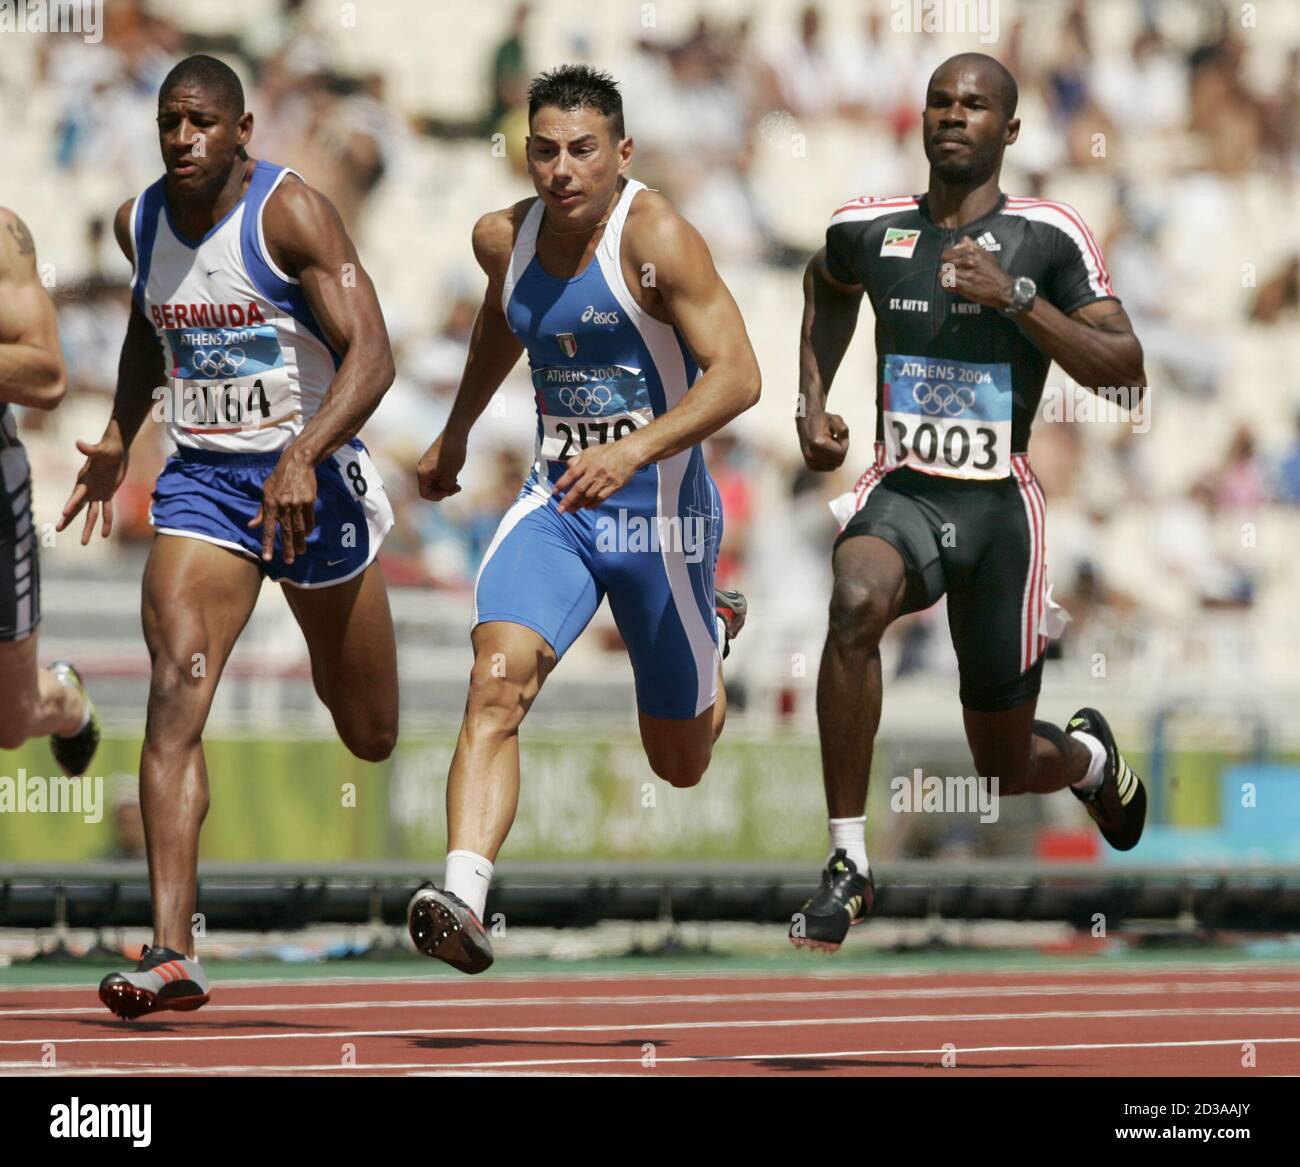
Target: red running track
x,y
1180,1021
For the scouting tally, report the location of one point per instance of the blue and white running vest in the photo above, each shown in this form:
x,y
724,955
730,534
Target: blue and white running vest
x,y
602,368
247,362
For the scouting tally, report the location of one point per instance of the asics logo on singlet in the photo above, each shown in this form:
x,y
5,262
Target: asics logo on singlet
x,y
218,362
591,316
943,399
590,399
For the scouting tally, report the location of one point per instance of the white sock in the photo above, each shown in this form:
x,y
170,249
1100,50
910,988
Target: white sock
x,y
1096,768
851,835
469,876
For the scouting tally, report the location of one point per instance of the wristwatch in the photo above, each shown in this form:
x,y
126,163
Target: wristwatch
x,y
1023,293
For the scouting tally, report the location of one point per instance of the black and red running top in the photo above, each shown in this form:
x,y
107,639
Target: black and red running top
x,y
957,383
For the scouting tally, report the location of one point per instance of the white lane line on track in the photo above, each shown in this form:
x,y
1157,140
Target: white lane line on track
x,y
1083,967
1150,988
444,1068
648,1027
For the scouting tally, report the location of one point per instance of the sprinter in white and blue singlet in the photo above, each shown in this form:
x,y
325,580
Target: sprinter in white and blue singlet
x,y
974,294
256,335
638,353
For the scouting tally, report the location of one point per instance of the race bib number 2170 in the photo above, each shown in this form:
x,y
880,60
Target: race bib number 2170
x,y
580,406
946,417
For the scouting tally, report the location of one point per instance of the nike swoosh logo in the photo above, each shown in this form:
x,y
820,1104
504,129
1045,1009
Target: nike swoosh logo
x,y
213,272
336,562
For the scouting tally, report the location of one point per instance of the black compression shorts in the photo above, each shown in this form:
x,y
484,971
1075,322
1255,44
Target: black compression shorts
x,y
981,543
20,583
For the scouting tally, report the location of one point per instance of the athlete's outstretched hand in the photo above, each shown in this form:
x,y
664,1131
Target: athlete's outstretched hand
x,y
824,440
289,501
975,274
105,468
595,474
437,468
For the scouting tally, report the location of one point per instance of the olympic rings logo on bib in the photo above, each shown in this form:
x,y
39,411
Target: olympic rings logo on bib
x,y
217,362
590,400
942,399
947,417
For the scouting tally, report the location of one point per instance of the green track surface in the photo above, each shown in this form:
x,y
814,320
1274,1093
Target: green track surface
x,y
1253,954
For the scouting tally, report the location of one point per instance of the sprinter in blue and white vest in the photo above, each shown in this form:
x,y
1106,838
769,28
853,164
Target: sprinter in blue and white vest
x,y
256,336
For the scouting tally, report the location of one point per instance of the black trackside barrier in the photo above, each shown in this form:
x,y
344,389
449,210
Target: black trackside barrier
x,y
281,897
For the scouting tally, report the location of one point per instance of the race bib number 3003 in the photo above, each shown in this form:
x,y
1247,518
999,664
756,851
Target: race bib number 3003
x,y
947,417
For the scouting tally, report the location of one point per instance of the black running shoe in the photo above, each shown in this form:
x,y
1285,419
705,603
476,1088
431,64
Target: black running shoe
x,y
164,979
1119,805
75,752
732,607
844,898
444,925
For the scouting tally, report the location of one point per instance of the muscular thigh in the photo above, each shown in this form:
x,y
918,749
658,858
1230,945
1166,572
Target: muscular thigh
x,y
664,608
511,663
868,570
196,599
995,575
896,514
537,571
655,557
349,633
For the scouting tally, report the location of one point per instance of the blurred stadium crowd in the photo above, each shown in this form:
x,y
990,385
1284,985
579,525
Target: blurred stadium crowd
x,y
1170,124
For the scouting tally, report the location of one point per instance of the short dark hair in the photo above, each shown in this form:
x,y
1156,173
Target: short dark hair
x,y
1008,92
212,76
578,87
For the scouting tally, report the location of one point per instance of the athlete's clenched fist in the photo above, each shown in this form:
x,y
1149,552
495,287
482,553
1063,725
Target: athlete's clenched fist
x,y
968,270
824,440
437,468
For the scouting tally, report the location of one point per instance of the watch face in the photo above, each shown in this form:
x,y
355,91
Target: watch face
x,y
1023,292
